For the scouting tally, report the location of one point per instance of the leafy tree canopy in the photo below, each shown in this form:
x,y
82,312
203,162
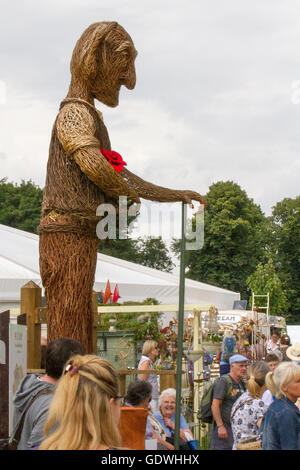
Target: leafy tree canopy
x,y
234,239
286,219
20,205
265,280
148,251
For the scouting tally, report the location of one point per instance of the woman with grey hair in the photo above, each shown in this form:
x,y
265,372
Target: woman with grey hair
x,y
281,423
166,417
149,355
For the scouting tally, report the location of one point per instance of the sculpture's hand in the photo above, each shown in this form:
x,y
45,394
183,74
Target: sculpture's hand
x,y
189,196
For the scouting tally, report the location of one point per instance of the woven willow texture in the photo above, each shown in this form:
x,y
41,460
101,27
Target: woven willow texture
x,y
67,266
79,179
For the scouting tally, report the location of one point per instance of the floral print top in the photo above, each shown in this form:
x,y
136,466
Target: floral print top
x,y
244,420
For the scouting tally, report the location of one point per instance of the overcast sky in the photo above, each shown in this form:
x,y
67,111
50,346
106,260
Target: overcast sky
x,y
217,94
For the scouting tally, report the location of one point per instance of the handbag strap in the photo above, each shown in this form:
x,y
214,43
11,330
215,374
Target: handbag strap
x,y
17,434
239,406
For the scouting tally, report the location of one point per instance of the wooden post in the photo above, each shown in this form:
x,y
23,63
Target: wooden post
x,y
167,381
31,299
122,379
95,323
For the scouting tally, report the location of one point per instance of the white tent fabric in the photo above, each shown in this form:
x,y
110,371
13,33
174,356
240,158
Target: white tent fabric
x,y
19,263
294,333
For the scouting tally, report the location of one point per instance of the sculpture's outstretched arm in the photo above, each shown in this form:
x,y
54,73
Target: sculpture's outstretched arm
x,y
100,171
76,132
150,191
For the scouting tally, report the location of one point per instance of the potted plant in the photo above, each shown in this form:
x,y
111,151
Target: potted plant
x,y
211,343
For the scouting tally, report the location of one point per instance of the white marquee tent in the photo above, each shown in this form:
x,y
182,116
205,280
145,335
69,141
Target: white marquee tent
x,y
19,263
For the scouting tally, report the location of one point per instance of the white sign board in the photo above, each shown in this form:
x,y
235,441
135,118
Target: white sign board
x,y
228,318
2,352
17,363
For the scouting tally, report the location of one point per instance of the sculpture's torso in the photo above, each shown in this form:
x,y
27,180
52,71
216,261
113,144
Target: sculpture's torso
x,y
70,198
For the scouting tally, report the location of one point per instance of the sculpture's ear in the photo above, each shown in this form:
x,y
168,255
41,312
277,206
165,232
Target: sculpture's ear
x,y
88,46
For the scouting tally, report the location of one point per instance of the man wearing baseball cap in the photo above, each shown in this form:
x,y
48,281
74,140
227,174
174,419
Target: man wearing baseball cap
x,y
226,391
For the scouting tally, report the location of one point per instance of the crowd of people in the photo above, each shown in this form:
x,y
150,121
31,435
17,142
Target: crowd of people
x,y
77,404
255,404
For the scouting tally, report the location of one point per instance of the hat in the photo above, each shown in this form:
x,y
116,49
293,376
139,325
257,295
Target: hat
x,y
237,358
293,352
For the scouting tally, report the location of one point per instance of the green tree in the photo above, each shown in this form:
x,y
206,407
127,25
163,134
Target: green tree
x,y
285,209
123,246
234,239
265,280
20,205
122,249
153,252
149,251
286,218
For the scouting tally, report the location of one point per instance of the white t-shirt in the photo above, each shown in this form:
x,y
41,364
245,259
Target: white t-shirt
x,y
272,347
267,397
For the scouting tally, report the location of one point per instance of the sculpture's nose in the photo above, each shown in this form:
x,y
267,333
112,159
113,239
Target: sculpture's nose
x,y
130,79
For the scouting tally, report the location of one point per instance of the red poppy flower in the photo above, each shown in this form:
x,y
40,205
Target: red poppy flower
x,y
114,159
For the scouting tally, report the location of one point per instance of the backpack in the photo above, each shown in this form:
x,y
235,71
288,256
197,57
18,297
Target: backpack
x,y
228,347
204,413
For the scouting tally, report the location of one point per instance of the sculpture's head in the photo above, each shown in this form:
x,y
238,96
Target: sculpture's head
x,y
103,61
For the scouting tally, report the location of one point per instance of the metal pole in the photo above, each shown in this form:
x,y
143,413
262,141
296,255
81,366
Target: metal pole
x,y
198,368
180,328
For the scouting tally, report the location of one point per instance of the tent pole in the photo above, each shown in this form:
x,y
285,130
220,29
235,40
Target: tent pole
x,y
180,328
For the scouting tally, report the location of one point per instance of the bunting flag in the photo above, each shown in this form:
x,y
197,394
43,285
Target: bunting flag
x,y
107,293
116,294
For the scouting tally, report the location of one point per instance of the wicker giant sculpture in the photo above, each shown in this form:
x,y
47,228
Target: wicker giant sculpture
x,y
80,178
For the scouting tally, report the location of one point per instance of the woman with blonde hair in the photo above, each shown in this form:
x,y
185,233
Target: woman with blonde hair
x,y
281,424
149,355
249,409
85,409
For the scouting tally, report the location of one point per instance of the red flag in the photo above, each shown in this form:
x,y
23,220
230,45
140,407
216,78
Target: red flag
x,y
116,294
107,293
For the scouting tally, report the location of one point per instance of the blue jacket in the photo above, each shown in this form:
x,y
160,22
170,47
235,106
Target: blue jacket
x,y
183,424
281,426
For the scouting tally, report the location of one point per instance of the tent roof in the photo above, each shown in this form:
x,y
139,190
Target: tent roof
x,y
19,263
